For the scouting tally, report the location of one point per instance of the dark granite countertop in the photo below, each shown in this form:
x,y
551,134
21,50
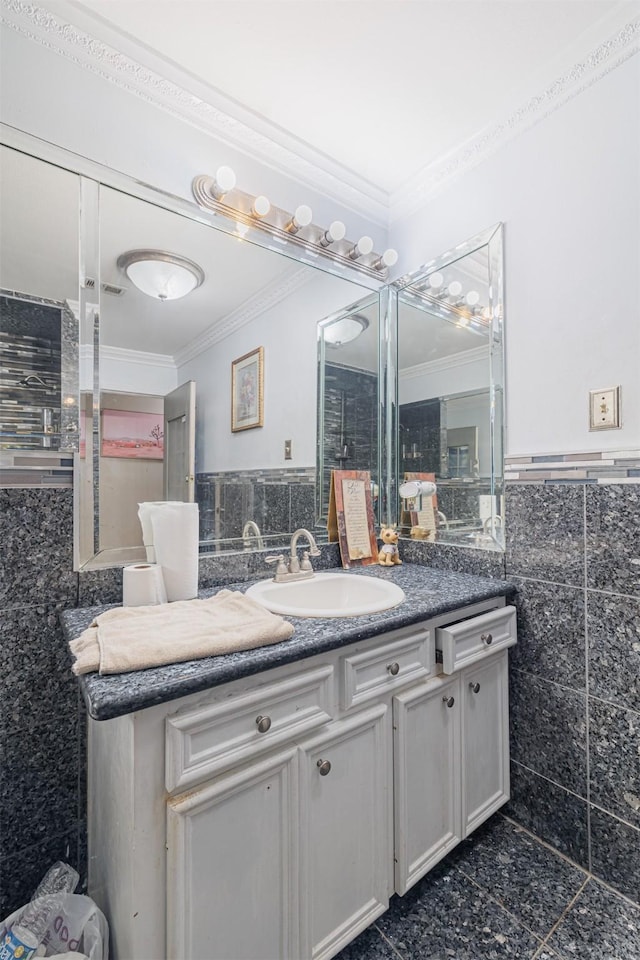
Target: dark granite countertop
x,y
429,593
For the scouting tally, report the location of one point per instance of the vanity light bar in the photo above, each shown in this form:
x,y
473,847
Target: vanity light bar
x,y
215,193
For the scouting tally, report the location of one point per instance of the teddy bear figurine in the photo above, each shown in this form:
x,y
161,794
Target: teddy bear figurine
x,y
388,554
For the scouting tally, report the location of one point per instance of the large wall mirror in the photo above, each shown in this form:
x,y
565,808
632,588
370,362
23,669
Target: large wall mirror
x,y
141,436
450,395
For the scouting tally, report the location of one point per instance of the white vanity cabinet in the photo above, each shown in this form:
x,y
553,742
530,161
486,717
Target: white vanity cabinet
x,y
451,744
271,818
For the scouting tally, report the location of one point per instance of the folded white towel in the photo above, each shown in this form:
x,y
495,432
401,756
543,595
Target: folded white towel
x,y
135,638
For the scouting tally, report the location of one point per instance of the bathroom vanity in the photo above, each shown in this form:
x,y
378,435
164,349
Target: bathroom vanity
x,y
271,816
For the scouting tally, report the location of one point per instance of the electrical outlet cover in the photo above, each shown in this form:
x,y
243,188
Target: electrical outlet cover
x,y
604,409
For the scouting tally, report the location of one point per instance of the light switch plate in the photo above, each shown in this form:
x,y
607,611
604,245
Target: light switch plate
x,y
604,409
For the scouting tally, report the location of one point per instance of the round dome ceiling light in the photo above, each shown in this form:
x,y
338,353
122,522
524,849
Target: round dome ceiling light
x,y
161,275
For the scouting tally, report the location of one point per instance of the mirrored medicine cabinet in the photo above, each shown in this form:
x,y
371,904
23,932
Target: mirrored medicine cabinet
x,y
376,398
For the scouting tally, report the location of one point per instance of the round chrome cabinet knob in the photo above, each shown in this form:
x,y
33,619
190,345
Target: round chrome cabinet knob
x,y
264,724
449,701
394,669
324,766
487,638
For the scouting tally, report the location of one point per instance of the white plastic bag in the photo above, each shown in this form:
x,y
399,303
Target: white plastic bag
x,y
74,925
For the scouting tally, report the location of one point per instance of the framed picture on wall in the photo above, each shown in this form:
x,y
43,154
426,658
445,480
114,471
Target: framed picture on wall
x,y
247,391
132,434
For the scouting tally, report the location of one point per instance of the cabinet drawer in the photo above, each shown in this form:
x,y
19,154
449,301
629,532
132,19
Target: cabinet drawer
x,y
210,738
405,656
470,640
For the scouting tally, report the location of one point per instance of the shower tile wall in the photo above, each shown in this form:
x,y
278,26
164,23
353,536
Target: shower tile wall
x,y
30,347
350,439
572,551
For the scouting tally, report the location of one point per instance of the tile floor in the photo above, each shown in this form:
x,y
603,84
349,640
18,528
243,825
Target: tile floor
x,y
504,894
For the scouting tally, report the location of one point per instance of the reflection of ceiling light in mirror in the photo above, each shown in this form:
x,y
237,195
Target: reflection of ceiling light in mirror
x,y
345,329
486,313
242,229
472,298
161,275
455,288
435,281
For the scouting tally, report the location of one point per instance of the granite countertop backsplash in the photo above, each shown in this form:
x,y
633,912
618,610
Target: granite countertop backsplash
x,y
429,593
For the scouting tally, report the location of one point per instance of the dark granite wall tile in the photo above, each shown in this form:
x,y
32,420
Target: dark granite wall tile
x,y
271,507
549,811
35,667
545,532
224,568
39,781
99,586
36,532
613,625
613,537
615,853
614,753
551,632
548,730
22,870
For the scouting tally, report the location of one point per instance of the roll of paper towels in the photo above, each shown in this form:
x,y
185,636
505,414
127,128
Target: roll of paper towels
x,y
171,530
142,585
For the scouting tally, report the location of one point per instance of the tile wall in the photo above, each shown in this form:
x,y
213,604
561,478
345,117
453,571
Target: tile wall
x,y
573,551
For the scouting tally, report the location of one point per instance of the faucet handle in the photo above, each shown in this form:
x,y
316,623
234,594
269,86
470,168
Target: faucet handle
x,y
278,559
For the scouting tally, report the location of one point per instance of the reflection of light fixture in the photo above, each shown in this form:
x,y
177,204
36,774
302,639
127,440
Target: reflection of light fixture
x,y
345,329
162,275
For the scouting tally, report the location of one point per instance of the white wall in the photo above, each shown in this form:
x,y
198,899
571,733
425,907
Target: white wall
x,y
568,191
288,334
49,96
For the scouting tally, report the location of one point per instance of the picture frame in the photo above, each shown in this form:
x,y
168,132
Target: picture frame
x,y
247,391
132,435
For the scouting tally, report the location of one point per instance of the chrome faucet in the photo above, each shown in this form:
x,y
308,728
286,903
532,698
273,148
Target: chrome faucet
x,y
252,530
296,569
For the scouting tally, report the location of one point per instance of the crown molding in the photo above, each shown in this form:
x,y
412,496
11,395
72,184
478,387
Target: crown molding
x,y
438,175
252,308
95,46
124,355
453,361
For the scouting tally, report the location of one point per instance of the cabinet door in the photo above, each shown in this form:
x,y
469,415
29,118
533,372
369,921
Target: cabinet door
x,y
428,818
485,740
232,866
345,824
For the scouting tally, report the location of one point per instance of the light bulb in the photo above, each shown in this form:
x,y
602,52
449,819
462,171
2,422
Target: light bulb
x,y
242,229
388,259
336,231
362,248
435,281
301,218
486,313
225,180
455,288
472,298
261,206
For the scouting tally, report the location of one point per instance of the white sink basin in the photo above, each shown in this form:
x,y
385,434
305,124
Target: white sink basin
x,y
327,595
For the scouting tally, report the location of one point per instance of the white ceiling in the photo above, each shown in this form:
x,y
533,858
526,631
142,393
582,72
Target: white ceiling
x,y
384,89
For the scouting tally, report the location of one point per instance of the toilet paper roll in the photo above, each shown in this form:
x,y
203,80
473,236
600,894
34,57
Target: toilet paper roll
x,y
143,585
172,531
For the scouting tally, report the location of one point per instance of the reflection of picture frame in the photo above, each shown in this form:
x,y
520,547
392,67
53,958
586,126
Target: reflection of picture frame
x,y
132,435
247,391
